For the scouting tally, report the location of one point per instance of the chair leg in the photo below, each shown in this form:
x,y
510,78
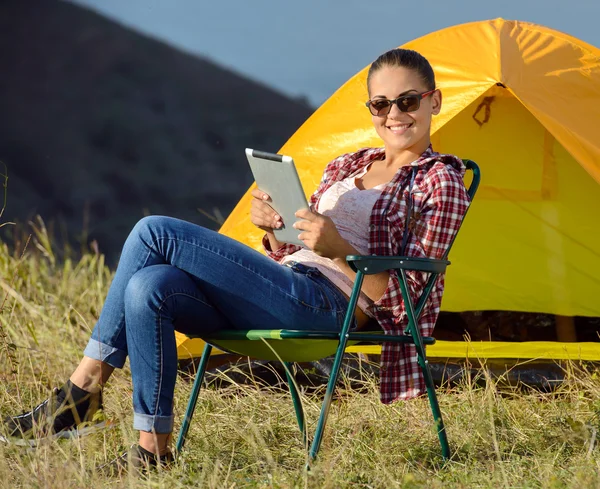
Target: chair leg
x,y
333,376
424,364
335,370
435,408
193,398
296,400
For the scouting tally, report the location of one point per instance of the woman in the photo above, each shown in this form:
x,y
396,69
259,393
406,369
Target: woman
x,y
174,275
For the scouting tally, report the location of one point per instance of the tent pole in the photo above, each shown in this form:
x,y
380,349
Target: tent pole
x,y
565,329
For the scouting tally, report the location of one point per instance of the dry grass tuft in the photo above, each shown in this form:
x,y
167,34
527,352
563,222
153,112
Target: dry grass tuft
x,y
244,436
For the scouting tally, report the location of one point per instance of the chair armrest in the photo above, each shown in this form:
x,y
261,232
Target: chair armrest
x,y
375,264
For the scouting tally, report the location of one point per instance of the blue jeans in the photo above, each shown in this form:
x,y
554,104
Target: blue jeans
x,y
177,276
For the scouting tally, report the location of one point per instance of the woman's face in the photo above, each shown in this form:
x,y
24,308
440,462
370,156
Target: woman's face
x,y
403,131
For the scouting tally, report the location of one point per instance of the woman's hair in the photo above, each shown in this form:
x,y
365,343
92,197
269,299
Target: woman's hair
x,y
405,58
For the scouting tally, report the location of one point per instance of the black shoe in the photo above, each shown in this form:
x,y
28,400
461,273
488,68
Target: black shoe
x,y
69,412
136,460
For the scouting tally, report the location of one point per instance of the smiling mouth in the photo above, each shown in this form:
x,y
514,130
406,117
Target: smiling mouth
x,y
400,128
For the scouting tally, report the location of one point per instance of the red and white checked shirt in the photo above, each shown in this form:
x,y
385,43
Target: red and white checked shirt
x,y
440,201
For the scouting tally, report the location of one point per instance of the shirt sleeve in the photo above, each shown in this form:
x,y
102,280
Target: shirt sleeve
x,y
277,255
439,222
393,294
443,212
329,175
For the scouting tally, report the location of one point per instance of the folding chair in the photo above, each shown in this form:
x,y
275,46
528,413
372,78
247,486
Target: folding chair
x,y
301,346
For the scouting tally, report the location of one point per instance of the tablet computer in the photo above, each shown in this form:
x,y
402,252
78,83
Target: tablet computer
x,y
276,175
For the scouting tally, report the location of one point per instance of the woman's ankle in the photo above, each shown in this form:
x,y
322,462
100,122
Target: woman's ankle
x,y
90,375
156,443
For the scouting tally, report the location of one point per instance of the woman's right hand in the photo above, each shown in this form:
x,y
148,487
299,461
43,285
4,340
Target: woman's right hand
x,y
262,214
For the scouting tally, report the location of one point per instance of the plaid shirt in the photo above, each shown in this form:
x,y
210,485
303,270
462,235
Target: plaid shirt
x,y
440,201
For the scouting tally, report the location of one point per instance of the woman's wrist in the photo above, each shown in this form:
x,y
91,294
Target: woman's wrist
x,y
274,244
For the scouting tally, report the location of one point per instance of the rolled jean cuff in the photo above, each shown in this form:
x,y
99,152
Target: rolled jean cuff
x,y
156,424
105,353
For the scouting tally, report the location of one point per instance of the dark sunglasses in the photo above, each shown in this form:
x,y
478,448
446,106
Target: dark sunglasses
x,y
406,103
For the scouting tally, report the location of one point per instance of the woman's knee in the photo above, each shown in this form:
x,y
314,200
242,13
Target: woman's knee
x,y
145,234
151,230
150,225
149,287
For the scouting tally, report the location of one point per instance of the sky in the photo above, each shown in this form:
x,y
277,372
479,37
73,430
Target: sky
x,y
309,48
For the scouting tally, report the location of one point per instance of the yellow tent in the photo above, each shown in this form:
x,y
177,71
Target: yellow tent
x,y
523,101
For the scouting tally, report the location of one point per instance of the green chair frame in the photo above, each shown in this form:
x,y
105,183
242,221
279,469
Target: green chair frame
x,y
234,340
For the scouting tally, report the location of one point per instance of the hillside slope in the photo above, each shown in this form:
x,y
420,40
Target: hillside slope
x,y
103,125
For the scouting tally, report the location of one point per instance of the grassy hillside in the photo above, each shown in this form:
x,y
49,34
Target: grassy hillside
x,y
101,125
245,436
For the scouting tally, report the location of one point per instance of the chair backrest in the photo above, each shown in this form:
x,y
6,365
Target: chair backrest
x,y
471,165
472,190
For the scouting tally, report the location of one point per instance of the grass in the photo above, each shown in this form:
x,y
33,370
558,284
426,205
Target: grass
x,y
245,436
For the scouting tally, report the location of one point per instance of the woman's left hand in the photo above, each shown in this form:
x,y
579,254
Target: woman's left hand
x,y
320,234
